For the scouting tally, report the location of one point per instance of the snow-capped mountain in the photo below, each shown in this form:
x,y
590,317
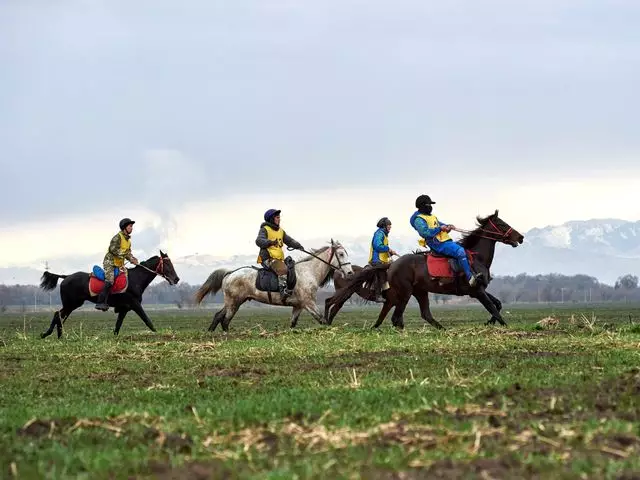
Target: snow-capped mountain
x,y
606,236
602,248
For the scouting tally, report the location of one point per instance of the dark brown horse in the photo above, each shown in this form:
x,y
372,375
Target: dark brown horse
x,y
409,276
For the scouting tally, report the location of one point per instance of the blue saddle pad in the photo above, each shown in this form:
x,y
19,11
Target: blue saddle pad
x,y
98,272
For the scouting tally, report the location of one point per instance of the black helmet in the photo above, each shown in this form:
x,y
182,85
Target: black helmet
x,y
423,201
383,222
124,222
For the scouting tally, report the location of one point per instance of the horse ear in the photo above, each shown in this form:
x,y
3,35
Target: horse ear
x,y
496,214
162,254
332,243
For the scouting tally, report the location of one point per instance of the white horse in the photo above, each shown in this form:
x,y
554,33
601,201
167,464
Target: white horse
x,y
239,285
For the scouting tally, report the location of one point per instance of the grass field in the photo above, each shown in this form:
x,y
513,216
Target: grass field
x,y
339,402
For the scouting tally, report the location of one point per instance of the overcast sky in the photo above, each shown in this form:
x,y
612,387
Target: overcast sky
x,y
194,117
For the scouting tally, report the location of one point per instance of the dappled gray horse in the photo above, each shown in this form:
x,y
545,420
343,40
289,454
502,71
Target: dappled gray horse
x,y
239,285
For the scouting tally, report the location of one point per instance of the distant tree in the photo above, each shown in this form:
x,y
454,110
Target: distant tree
x,y
628,282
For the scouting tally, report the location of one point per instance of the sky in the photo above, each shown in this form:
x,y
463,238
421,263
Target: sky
x,y
195,117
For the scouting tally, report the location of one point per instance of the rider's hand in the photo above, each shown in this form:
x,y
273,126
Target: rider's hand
x,y
392,252
135,261
299,247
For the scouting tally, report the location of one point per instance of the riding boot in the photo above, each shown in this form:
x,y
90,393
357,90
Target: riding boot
x,y
101,303
282,286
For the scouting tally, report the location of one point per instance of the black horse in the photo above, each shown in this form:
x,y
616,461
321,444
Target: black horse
x,y
74,291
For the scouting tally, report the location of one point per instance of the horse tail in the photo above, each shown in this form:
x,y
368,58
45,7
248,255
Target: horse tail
x,y
49,280
212,285
364,276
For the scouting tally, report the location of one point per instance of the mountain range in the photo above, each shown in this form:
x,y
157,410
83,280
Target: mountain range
x,y
602,248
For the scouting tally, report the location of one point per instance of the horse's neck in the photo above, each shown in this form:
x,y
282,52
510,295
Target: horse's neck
x,y
486,248
146,277
317,268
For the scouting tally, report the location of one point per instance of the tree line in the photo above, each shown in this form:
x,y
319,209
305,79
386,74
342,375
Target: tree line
x,y
521,288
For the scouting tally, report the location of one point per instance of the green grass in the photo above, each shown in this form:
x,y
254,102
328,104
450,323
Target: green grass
x,y
339,402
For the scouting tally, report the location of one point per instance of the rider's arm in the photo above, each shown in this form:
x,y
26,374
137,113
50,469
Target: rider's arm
x,y
290,242
420,224
378,242
114,246
262,240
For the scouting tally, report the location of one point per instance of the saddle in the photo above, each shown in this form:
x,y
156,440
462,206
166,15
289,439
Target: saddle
x,y
96,281
267,280
445,267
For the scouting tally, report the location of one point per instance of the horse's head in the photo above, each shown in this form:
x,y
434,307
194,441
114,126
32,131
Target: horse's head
x,y
496,227
164,268
340,259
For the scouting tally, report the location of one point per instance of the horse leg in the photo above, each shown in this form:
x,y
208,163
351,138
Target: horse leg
x,y
484,299
295,314
334,312
386,308
315,312
396,318
425,311
217,318
136,306
498,305
121,315
54,324
228,316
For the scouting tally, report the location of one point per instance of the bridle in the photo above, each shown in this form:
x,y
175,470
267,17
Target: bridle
x,y
159,269
494,234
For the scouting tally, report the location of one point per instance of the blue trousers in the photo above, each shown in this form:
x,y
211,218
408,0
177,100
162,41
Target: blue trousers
x,y
452,249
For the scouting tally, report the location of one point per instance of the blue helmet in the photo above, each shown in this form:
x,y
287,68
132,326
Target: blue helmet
x,y
269,214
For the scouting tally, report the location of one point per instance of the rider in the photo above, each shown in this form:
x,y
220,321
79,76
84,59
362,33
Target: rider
x,y
436,236
119,251
380,254
270,240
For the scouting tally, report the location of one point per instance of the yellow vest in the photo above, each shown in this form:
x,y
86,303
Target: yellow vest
x,y
432,222
275,251
382,256
125,244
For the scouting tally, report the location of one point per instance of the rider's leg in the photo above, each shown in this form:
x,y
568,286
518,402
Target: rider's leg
x,y
280,269
455,250
103,297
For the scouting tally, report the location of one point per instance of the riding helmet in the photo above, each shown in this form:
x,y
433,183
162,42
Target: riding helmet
x,y
124,222
269,214
423,201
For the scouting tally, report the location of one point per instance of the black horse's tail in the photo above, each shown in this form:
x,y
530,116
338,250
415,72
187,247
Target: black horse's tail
x,y
212,285
365,276
49,280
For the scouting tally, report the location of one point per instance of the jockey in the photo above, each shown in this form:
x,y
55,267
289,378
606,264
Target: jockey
x,y
380,254
119,251
270,239
435,235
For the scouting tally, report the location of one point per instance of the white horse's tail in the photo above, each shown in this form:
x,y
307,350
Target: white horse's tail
x,y
212,285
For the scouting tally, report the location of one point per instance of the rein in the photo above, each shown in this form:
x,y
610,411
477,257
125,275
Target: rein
x,y
159,269
499,234
333,251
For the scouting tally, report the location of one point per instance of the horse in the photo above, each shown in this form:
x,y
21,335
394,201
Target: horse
x,y
74,291
409,275
239,285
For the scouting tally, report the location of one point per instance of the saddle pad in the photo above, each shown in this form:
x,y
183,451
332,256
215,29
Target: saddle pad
x,y
441,267
119,285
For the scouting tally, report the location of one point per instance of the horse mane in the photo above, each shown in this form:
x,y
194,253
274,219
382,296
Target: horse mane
x,y
469,240
311,257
